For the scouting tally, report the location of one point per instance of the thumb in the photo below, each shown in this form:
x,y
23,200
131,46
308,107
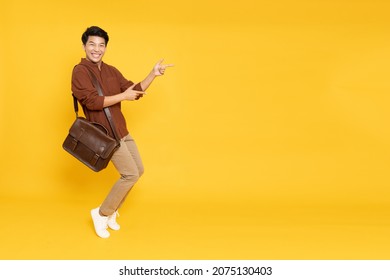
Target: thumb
x,y
160,61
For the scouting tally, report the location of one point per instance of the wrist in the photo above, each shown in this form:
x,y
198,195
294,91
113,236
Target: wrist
x,y
122,96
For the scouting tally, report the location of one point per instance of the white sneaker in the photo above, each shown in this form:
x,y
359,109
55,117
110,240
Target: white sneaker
x,y
100,223
112,221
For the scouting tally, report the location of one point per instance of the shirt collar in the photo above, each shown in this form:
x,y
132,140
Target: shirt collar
x,y
90,64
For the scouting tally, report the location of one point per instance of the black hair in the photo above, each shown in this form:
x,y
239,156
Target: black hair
x,y
94,31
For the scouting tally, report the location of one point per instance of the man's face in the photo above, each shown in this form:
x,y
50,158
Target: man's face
x,y
95,49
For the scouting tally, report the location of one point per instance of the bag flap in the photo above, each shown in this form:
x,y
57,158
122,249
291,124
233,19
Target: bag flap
x,y
92,137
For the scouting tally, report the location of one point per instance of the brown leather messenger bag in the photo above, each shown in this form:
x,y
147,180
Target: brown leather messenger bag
x,y
90,142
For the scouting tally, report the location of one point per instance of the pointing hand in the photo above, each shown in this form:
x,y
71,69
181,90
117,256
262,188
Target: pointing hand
x,y
159,68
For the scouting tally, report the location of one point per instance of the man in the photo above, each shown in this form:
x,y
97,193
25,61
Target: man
x,y
116,89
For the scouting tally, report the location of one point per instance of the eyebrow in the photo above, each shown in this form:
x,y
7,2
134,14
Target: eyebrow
x,y
92,42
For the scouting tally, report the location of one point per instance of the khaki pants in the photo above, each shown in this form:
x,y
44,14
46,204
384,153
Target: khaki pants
x,y
129,165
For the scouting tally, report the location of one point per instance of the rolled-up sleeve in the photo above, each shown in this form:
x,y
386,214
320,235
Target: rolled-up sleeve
x,y
138,87
84,90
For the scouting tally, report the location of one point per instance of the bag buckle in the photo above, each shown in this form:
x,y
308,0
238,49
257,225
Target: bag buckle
x,y
95,159
74,142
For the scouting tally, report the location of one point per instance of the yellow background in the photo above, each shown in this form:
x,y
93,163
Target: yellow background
x,y
269,139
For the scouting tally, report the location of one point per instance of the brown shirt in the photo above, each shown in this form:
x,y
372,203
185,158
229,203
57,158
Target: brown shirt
x,y
112,82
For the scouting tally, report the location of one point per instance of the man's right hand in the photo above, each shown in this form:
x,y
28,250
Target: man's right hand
x,y
131,94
